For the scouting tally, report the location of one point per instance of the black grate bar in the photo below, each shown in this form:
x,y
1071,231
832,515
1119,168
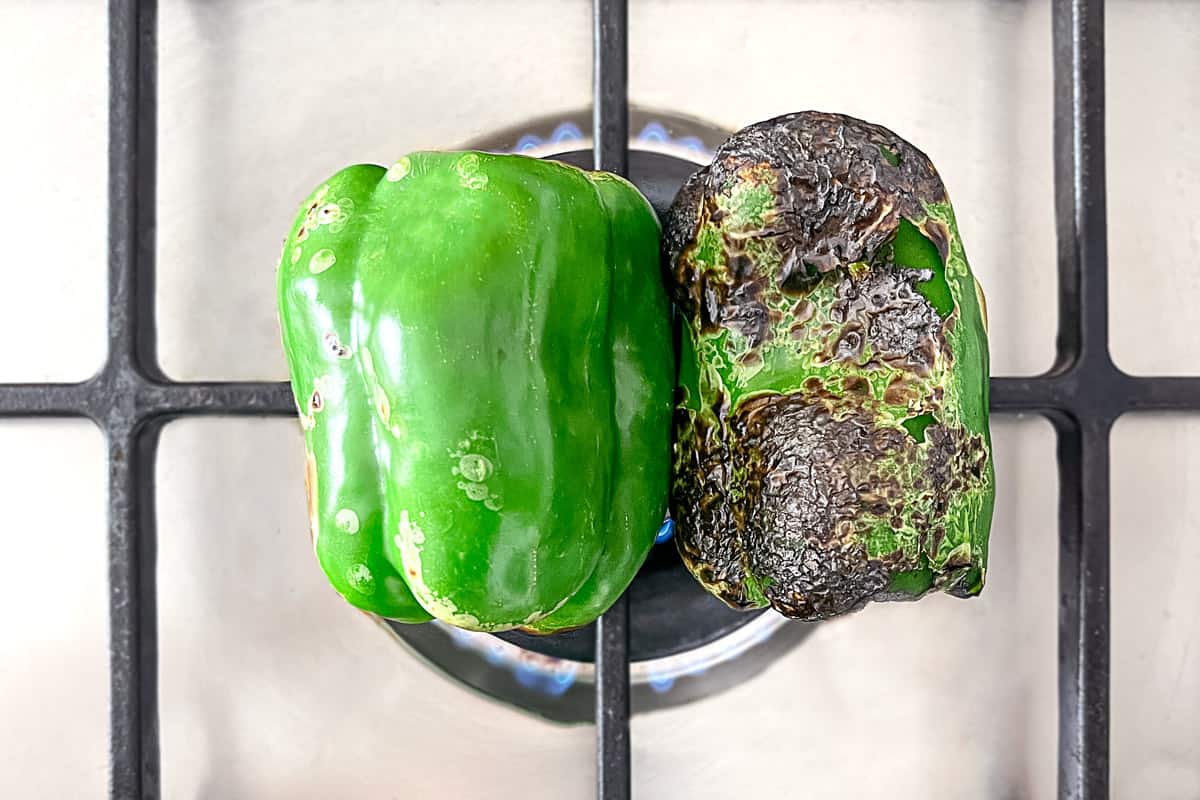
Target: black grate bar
x,y
1042,393
1164,394
1083,616
133,154
1083,447
610,131
44,400
613,774
133,619
610,85
235,398
105,395
1078,40
1083,391
133,629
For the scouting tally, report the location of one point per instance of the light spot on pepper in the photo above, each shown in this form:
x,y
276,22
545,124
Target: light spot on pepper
x,y
321,260
982,300
307,423
360,577
410,529
399,170
368,364
469,176
330,212
334,346
382,405
475,491
408,541
346,520
475,467
536,615
335,215
310,491
328,389
296,251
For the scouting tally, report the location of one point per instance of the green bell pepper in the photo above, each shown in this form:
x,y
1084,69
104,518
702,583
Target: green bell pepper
x,y
481,354
832,427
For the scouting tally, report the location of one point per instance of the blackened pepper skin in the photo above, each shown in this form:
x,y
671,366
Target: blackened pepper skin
x,y
831,430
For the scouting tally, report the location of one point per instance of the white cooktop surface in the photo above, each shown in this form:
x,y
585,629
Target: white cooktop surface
x,y
271,687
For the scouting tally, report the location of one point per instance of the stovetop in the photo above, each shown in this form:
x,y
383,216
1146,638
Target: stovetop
x,y
269,686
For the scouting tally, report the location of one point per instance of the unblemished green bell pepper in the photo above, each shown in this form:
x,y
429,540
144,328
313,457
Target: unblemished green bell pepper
x,y
481,354
832,426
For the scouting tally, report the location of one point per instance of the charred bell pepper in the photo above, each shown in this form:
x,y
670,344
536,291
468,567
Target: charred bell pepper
x,y
481,353
832,442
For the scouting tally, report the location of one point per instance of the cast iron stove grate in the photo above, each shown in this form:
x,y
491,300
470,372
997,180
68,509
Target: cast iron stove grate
x,y
1082,395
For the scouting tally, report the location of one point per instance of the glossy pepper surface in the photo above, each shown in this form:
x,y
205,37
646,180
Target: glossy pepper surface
x,y
832,421
480,350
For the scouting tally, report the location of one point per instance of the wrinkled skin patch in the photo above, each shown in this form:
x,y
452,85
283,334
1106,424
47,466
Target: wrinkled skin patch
x,y
829,449
804,479
836,201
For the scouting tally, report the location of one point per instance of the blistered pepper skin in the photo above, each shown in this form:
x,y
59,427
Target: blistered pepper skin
x,y
832,442
480,350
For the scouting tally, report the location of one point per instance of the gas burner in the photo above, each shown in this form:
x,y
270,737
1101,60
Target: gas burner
x,y
683,642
